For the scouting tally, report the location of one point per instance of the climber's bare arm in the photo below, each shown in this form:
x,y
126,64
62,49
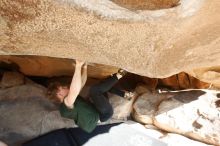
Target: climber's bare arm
x,y
75,85
84,75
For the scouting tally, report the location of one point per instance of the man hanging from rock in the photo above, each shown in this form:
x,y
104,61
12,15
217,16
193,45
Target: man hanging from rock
x,y
87,114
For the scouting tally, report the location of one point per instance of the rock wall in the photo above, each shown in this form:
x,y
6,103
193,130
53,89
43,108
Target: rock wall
x,y
156,43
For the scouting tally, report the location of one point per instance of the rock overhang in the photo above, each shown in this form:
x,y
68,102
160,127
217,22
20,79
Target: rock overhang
x,y
150,43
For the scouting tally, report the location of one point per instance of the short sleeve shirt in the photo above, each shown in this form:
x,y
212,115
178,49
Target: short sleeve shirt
x,y
83,113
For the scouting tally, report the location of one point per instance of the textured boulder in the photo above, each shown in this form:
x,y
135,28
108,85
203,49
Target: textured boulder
x,y
145,107
26,113
193,113
156,43
210,75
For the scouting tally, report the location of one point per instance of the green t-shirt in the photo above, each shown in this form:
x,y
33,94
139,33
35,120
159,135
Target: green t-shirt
x,y
83,113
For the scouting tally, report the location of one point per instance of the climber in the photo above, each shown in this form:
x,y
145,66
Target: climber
x,y
87,114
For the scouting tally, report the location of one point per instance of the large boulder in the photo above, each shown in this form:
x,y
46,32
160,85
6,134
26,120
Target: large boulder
x,y
156,43
145,107
26,113
193,113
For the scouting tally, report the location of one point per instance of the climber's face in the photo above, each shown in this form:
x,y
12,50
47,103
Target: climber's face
x,y
62,92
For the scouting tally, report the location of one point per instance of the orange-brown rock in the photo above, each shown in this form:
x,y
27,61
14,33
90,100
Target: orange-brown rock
x,y
178,81
210,75
49,67
10,79
183,81
147,4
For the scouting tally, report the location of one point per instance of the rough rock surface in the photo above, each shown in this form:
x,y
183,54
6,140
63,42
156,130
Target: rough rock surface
x,y
210,75
145,107
10,79
185,81
147,4
193,113
49,67
122,108
179,81
151,43
27,107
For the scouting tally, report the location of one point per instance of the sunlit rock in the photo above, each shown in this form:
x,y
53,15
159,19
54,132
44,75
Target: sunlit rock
x,y
145,106
159,43
194,114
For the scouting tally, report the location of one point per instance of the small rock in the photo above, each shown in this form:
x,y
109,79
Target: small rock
x,y
122,108
11,79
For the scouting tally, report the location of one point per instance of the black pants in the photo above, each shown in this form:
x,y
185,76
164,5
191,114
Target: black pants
x,y
98,94
68,137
